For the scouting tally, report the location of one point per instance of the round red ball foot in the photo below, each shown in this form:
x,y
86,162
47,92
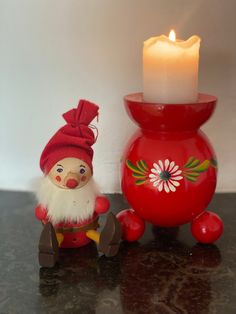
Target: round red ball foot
x,y
132,225
207,227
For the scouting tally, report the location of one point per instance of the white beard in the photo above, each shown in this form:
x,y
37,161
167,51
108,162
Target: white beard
x,y
65,205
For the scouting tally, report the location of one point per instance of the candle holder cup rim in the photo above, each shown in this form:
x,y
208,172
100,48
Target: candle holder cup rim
x,y
169,117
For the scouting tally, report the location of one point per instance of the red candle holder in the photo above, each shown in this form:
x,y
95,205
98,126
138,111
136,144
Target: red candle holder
x,y
169,168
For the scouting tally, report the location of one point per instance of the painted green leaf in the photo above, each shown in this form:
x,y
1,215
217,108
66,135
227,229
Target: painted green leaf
x,y
140,166
214,163
202,167
195,163
191,179
133,167
139,182
144,164
138,176
193,174
190,160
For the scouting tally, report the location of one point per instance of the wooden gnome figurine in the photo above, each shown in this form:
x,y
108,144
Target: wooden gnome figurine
x,y
69,200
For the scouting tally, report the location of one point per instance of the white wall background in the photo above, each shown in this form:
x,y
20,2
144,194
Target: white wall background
x,y
53,52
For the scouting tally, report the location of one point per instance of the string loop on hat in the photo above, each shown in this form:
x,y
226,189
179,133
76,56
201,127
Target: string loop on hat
x,y
93,127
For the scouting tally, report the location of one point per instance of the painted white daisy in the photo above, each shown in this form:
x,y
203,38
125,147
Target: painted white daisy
x,y
165,176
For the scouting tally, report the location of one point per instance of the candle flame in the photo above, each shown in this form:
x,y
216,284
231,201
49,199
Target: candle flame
x,y
172,35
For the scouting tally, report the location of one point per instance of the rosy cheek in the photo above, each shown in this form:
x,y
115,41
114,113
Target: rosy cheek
x,y
83,178
58,178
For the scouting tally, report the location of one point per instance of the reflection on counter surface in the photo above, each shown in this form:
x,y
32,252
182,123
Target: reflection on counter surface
x,y
166,272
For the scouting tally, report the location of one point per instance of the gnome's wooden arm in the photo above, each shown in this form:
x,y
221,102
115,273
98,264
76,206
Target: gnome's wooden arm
x,y
40,212
102,204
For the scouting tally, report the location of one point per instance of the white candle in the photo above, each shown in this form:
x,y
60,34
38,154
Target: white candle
x,y
170,69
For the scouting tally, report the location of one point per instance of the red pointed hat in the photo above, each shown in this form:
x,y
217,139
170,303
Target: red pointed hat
x,y
72,140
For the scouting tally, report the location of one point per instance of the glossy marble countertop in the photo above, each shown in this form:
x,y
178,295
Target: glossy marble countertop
x,y
166,272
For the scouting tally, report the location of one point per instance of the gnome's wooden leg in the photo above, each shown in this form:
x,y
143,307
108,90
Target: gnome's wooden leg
x,y
110,236
48,247
93,235
60,238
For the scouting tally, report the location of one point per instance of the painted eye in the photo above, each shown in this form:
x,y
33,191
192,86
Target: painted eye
x,y
82,171
59,170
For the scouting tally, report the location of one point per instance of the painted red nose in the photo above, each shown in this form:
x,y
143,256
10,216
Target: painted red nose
x,y
72,183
